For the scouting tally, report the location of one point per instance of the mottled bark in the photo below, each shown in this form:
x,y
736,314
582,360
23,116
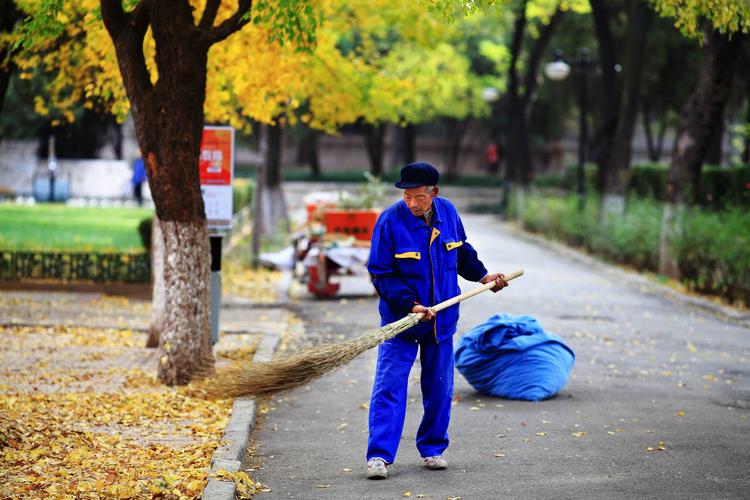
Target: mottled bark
x,y
158,293
186,339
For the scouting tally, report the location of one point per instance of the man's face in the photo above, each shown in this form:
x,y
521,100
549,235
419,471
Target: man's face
x,y
419,199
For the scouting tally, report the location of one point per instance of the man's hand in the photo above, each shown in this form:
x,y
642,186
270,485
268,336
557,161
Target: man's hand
x,y
499,280
429,313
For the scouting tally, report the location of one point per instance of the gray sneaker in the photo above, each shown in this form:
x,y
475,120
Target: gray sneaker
x,y
377,468
435,463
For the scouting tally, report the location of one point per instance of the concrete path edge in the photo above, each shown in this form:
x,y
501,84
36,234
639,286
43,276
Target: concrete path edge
x,y
228,456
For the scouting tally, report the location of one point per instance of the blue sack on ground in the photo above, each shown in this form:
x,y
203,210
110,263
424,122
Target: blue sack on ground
x,y
513,357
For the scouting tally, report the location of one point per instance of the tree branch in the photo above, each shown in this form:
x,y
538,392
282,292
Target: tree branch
x,y
232,24
113,17
128,31
209,14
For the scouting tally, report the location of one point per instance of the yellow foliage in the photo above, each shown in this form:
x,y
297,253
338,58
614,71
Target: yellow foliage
x,y
98,432
401,65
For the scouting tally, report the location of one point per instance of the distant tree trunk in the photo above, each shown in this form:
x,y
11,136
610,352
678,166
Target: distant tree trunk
x,y
374,135
615,176
655,147
700,114
456,130
307,151
9,16
168,118
604,136
269,205
158,295
694,133
714,153
403,145
746,149
519,145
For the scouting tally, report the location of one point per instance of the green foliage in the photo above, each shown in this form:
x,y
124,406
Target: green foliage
x,y
728,16
649,180
712,248
290,20
713,252
568,179
58,227
368,195
242,193
144,229
720,186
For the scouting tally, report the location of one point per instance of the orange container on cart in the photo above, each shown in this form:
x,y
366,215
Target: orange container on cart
x,y
357,223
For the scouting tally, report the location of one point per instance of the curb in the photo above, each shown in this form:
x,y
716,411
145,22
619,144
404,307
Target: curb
x,y
632,278
228,457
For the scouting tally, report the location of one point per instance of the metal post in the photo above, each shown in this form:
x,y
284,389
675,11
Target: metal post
x,y
215,286
583,63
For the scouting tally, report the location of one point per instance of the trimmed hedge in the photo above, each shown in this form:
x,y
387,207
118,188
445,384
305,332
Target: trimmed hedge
x,y
712,248
720,186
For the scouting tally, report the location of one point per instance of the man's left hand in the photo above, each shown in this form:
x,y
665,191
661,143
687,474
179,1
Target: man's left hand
x,y
499,280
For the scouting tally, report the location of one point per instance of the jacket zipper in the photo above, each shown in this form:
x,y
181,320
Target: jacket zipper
x,y
432,276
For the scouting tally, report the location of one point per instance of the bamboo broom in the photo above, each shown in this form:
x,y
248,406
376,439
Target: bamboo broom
x,y
287,372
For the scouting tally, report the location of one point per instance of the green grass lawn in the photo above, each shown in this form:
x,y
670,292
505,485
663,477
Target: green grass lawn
x,y
58,227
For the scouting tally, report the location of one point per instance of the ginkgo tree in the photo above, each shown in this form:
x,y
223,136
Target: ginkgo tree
x,y
164,78
174,64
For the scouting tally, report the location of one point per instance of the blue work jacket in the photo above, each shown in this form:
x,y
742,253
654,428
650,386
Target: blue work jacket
x,y
413,262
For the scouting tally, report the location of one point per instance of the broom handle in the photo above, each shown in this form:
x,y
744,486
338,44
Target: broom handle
x,y
471,293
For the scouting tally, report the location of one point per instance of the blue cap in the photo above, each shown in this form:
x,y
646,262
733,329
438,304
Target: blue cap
x,y
418,174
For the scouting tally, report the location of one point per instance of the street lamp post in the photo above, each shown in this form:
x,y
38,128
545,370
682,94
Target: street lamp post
x,y
559,70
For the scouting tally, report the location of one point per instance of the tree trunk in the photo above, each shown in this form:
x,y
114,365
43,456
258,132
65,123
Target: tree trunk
x,y
9,15
604,136
714,153
519,145
269,206
615,177
374,135
186,340
307,152
158,293
456,131
694,133
168,118
403,146
700,114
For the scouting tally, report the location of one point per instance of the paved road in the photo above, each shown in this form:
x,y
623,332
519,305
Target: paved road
x,y
648,370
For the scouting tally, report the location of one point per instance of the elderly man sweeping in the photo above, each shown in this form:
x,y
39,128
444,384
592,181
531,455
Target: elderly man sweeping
x,y
418,250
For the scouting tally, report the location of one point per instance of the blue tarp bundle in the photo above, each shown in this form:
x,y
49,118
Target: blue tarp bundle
x,y
513,357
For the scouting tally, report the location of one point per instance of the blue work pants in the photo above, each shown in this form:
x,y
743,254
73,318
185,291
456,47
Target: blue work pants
x,y
388,403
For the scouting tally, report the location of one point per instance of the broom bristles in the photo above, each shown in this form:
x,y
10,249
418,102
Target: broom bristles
x,y
259,379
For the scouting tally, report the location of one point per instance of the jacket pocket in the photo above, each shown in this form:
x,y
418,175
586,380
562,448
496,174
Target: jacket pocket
x,y
409,255
450,245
